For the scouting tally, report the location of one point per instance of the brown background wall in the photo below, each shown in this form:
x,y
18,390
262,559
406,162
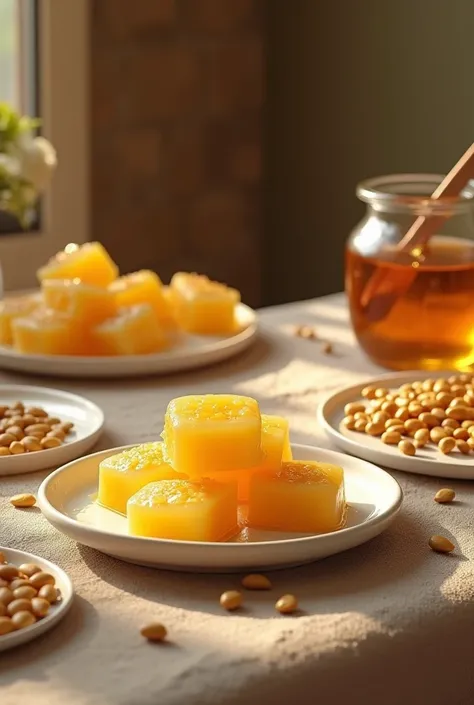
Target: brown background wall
x,y
355,89
176,113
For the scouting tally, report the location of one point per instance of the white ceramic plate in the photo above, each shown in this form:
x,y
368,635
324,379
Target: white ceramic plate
x,y
66,500
191,352
427,461
88,420
57,611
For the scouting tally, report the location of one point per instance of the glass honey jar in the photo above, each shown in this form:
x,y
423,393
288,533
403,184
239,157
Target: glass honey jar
x,y
413,308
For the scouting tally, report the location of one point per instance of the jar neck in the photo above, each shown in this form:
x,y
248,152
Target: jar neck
x,y
410,195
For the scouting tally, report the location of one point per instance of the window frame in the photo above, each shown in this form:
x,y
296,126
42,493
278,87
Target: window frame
x,y
63,94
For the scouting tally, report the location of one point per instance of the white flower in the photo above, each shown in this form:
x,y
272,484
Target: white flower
x,y
37,160
10,165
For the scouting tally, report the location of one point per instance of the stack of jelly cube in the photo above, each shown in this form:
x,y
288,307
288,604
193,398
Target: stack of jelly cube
x,y
219,451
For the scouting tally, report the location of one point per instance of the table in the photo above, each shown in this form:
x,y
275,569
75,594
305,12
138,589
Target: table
x,y
387,623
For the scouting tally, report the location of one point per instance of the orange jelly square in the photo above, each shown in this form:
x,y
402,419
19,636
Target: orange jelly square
x,y
303,495
46,332
183,510
133,331
208,433
202,306
123,474
87,304
144,287
89,262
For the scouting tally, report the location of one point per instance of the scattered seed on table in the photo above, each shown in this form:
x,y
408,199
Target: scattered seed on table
x,y
231,600
154,632
441,544
286,604
255,581
445,495
23,500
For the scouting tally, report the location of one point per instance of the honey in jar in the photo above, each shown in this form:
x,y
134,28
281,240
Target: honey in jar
x,y
412,309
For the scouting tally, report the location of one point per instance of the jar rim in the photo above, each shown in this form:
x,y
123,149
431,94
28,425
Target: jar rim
x,y
399,191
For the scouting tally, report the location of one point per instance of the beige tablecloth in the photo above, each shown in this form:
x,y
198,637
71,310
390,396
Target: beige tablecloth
x,y
387,623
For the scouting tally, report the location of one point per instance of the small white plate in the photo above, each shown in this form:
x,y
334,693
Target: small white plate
x,y
191,352
66,499
57,611
88,420
427,461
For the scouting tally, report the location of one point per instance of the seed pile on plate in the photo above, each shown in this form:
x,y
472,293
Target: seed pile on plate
x,y
437,412
27,430
26,595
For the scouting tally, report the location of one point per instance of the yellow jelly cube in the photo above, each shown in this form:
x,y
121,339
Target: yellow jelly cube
x,y
202,306
12,308
122,475
212,432
183,510
85,303
46,332
90,262
133,331
143,287
275,441
302,495
275,449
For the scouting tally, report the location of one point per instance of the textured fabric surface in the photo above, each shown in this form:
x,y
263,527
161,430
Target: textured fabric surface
x,y
388,622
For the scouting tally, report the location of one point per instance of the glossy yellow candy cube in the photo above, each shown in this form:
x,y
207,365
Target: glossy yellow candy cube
x,y
122,475
133,331
303,495
212,432
90,262
183,510
144,287
202,306
275,449
87,304
275,441
46,332
12,308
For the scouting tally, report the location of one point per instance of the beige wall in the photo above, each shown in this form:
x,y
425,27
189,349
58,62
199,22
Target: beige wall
x,y
356,88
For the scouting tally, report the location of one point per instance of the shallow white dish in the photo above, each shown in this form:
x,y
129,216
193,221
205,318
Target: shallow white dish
x,y
191,352
427,461
57,611
66,499
88,420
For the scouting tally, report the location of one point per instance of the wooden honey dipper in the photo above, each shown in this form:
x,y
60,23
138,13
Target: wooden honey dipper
x,y
383,289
